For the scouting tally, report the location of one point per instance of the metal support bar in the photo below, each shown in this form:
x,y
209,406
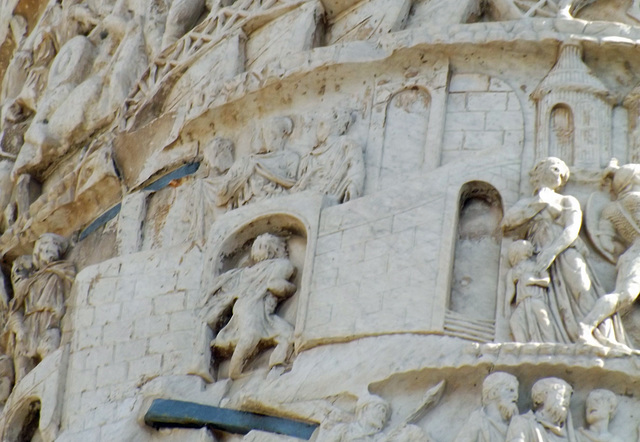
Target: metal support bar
x,y
170,413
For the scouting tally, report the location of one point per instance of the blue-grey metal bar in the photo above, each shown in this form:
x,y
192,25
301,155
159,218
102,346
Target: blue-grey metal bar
x,y
158,184
170,413
180,172
102,219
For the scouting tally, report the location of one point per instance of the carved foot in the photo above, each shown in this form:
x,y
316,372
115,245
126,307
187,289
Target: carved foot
x,y
586,336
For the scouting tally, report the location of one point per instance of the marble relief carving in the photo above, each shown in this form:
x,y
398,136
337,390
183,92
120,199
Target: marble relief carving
x,y
508,267
549,418
32,317
252,294
335,165
499,405
551,222
270,170
617,236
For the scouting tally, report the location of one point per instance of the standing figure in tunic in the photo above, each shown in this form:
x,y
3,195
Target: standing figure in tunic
x,y
531,320
253,293
44,294
551,222
14,333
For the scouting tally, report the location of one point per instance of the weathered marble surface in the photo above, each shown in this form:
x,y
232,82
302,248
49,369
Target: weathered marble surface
x,y
396,219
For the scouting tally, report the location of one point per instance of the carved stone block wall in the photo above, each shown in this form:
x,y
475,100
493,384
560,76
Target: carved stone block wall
x,y
339,212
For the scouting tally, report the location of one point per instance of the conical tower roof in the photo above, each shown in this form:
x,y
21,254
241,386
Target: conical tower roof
x,y
570,74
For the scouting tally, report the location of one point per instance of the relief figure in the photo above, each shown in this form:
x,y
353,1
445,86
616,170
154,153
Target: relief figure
x,y
600,407
549,420
253,294
335,165
531,321
499,405
14,332
217,159
551,222
370,422
618,226
369,425
44,293
270,170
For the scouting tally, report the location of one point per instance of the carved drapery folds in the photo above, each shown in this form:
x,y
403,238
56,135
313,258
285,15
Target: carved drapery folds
x,y
242,307
333,166
551,280
32,316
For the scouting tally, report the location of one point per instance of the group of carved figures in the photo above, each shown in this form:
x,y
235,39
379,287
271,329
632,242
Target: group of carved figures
x,y
30,319
549,419
497,420
333,166
557,295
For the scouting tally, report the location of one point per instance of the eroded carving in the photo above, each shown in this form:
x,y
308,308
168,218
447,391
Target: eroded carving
x,y
531,321
370,423
270,170
335,165
253,294
600,408
42,295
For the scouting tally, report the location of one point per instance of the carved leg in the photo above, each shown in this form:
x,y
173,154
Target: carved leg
x,y
604,308
244,350
281,353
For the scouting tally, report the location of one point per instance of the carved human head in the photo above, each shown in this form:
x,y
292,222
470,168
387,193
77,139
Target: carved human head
x,y
550,172
48,248
372,412
501,389
552,396
519,251
268,246
218,155
21,268
601,405
275,133
337,123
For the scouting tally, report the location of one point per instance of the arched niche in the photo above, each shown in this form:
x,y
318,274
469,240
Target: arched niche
x,y
294,218
24,423
249,314
474,284
405,133
235,250
562,133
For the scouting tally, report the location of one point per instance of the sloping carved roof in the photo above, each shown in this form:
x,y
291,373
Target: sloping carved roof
x,y
570,74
